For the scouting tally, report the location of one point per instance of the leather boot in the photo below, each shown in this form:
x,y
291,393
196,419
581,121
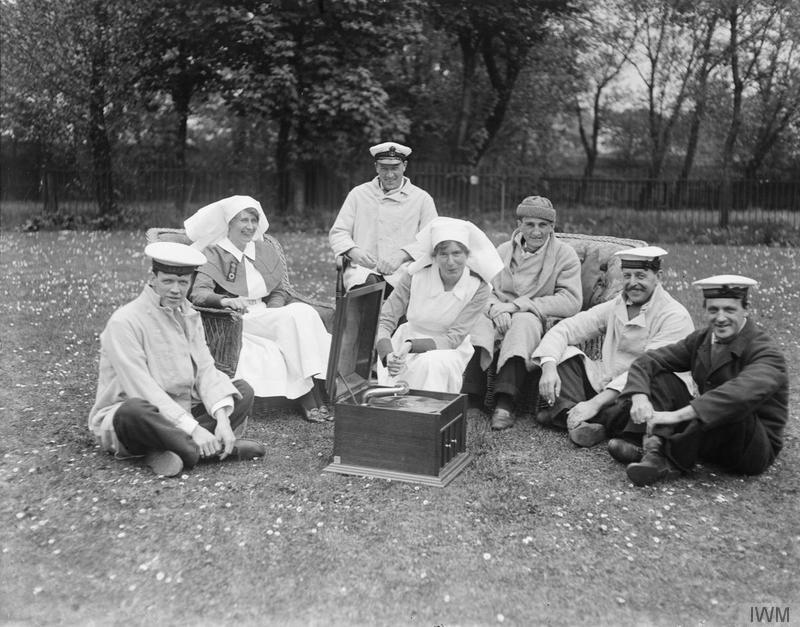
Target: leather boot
x,y
654,466
625,452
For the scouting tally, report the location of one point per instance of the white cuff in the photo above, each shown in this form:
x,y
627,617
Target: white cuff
x,y
186,423
226,403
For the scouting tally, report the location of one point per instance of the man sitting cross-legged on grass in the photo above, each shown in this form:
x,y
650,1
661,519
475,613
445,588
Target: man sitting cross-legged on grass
x,y
582,392
159,395
738,417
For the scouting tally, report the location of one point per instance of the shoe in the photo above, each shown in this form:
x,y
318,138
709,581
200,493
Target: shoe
x,y
325,413
587,434
164,463
625,452
654,466
548,416
502,419
244,450
314,414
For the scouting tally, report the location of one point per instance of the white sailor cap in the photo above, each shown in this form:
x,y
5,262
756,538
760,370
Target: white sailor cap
x,y
174,258
725,286
644,257
390,152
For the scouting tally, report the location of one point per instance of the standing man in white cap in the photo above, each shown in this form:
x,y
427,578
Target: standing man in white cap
x,y
582,392
379,218
738,417
159,395
541,278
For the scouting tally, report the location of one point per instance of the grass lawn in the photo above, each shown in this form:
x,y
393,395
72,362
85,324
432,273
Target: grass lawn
x,y
534,531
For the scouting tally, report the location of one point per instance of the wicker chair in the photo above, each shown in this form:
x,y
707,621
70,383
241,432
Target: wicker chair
x,y
601,280
223,328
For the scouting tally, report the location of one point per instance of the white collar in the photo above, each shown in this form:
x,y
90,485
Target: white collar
x,y
646,305
460,289
249,249
400,189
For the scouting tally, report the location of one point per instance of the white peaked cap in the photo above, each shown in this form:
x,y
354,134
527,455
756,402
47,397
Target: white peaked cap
x,y
725,286
174,258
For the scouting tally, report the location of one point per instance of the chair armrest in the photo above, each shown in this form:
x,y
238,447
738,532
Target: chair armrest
x,y
217,312
342,261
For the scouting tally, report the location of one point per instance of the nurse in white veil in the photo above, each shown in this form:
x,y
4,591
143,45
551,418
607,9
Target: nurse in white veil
x,y
443,294
284,344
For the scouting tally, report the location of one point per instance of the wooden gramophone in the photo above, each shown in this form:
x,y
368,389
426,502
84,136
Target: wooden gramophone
x,y
387,432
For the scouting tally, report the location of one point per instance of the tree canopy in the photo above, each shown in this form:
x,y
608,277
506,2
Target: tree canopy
x,y
671,88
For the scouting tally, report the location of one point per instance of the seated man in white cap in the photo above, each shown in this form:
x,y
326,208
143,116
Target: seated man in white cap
x,y
738,417
582,392
541,278
159,395
379,218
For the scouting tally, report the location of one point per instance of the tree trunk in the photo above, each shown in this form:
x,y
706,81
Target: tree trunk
x,y
503,84
282,164
181,97
698,115
726,191
469,53
99,143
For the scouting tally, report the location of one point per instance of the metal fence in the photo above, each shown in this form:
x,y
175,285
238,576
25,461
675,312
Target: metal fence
x,y
457,190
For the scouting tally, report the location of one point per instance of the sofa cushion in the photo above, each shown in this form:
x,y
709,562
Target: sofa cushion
x,y
601,275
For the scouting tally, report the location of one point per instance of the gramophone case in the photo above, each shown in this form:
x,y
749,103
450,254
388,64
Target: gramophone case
x,y
420,437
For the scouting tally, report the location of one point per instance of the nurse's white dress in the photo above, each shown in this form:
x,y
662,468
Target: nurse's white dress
x,y
283,348
431,313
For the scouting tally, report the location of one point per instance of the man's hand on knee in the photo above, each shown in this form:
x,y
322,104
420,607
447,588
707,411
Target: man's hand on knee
x,y
641,409
581,412
502,322
550,383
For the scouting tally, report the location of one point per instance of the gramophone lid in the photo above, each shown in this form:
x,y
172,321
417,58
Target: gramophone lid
x,y
355,323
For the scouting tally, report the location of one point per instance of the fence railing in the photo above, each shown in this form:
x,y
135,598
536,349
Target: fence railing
x,y
457,190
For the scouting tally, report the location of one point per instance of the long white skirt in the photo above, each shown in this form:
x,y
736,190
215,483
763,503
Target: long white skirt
x,y
440,370
283,349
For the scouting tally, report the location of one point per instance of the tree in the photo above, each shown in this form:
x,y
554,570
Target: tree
x,y
776,101
73,54
749,23
603,37
709,58
500,35
313,68
664,58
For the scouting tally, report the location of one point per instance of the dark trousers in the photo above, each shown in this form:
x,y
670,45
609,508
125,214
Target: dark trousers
x,y
740,446
575,388
511,379
142,429
667,393
474,382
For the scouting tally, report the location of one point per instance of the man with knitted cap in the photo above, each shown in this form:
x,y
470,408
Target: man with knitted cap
x,y
159,396
581,392
380,219
541,278
737,419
